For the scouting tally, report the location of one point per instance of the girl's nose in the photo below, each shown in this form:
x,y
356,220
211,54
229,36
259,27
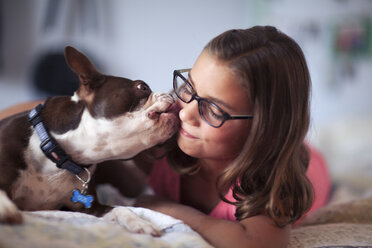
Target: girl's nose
x,y
189,113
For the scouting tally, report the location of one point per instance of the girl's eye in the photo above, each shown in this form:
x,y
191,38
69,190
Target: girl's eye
x,y
215,115
211,112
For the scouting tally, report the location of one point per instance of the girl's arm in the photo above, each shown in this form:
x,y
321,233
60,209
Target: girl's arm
x,y
258,231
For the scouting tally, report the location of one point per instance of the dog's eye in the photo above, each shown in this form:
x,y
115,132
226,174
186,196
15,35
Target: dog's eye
x,y
143,86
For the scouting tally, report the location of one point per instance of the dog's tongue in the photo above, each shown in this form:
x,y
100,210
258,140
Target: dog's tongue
x,y
174,108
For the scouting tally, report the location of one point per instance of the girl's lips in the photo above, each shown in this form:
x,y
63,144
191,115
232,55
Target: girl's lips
x,y
186,134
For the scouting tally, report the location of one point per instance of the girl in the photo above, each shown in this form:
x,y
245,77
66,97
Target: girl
x,y
237,173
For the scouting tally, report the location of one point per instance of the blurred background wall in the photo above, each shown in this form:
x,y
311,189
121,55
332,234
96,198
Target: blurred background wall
x,y
147,40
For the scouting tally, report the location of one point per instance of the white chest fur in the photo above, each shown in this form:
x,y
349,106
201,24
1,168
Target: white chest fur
x,y
42,185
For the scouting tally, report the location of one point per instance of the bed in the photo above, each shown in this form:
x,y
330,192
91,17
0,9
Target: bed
x,y
345,222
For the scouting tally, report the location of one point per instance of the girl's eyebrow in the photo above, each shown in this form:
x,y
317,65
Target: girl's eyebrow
x,y
211,99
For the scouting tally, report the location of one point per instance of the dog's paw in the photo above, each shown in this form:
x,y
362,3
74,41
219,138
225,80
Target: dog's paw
x,y
9,213
130,221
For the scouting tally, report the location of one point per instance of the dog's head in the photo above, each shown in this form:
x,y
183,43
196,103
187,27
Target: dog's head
x,y
121,117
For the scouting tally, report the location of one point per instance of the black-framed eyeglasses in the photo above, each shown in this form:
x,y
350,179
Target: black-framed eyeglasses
x,y
209,111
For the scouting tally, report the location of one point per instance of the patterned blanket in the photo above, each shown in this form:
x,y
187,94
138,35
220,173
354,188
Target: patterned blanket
x,y
59,229
340,224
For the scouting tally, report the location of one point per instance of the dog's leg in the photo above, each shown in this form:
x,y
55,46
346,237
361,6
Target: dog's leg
x,y
9,213
130,221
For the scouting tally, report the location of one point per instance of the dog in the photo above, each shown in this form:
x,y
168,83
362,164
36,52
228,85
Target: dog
x,y
48,155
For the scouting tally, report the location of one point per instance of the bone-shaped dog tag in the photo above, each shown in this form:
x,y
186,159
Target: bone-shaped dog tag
x,y
84,199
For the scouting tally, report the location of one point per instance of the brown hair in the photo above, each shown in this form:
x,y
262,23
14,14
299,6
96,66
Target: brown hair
x,y
269,175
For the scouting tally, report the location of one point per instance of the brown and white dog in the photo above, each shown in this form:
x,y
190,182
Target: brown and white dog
x,y
107,118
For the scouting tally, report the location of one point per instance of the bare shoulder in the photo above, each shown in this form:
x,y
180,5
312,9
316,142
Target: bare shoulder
x,y
264,231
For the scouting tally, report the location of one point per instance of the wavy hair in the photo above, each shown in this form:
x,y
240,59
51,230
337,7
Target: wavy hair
x,y
269,175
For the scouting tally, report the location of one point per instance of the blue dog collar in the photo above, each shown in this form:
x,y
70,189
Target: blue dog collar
x,y
55,153
49,146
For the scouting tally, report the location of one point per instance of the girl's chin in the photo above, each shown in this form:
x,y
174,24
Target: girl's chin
x,y
195,150
189,148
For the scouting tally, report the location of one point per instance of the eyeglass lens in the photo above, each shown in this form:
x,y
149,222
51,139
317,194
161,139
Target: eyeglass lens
x,y
209,111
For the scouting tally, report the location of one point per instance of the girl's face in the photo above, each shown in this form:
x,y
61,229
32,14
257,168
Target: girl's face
x,y
214,81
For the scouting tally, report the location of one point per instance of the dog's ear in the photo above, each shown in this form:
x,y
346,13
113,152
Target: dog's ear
x,y
83,68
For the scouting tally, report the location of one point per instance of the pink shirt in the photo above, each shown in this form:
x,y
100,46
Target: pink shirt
x,y
166,182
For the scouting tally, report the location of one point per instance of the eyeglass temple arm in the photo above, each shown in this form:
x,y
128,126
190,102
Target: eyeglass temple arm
x,y
184,70
241,117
